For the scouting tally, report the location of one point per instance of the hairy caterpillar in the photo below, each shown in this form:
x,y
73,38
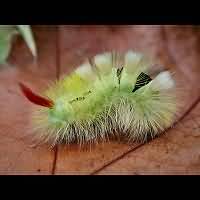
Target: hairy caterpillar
x,y
110,95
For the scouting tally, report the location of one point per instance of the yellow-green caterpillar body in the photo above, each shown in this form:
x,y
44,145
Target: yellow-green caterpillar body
x,y
109,95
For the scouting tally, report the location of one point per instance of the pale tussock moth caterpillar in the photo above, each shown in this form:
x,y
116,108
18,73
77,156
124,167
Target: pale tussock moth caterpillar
x,y
109,95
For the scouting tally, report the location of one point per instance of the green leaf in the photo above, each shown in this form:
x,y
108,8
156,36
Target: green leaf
x,y
26,32
6,33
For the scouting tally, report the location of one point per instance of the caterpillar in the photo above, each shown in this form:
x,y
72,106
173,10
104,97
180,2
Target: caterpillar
x,y
110,95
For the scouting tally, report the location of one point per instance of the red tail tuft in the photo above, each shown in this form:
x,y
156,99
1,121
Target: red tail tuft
x,y
34,98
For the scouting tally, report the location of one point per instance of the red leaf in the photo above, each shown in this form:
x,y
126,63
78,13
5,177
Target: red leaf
x,y
34,98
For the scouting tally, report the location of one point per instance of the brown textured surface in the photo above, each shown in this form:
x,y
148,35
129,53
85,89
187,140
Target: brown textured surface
x,y
17,156
178,151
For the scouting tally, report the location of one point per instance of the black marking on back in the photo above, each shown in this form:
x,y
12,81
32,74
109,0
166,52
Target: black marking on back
x,y
77,99
142,80
81,98
119,74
